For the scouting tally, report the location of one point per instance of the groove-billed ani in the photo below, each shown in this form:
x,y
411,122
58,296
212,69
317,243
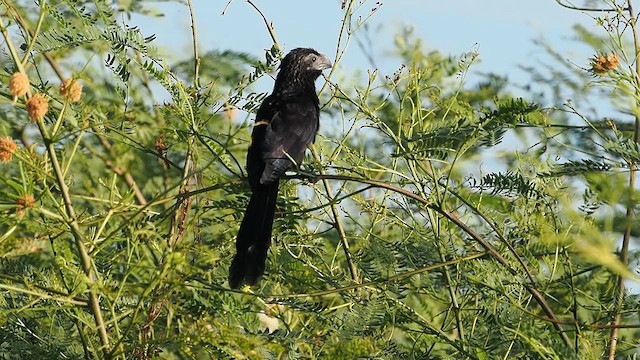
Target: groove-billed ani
x,y
286,123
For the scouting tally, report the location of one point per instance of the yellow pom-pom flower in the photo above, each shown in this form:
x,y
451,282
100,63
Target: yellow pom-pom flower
x,y
37,106
601,65
7,147
71,90
18,84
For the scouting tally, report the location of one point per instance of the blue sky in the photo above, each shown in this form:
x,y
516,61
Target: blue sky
x,y
503,29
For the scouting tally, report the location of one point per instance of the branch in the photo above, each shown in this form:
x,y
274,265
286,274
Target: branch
x,y
573,7
453,217
355,286
196,57
85,258
272,31
76,300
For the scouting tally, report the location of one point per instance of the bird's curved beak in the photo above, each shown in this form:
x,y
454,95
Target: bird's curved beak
x,y
323,63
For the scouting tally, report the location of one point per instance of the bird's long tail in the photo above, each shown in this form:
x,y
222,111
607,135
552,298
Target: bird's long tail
x,y
254,236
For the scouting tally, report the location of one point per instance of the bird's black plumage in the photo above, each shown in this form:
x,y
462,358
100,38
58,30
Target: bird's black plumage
x,y
286,124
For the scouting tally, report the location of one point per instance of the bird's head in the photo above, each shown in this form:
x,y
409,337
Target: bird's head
x,y
302,65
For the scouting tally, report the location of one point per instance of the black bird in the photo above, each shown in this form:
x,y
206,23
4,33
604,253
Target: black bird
x,y
286,124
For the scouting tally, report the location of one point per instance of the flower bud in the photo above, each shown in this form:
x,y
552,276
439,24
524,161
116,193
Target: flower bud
x,y
71,90
601,65
37,107
18,84
7,147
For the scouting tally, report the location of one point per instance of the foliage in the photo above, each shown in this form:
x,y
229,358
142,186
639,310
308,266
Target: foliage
x,y
393,241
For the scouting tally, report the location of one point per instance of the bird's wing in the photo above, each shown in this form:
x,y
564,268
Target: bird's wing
x,y
287,137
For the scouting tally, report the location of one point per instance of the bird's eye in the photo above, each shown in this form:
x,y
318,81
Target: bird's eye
x,y
314,58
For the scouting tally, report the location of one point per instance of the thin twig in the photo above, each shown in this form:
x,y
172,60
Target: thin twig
x,y
572,7
630,214
183,206
74,300
196,57
371,283
269,25
181,211
125,173
226,7
33,35
23,24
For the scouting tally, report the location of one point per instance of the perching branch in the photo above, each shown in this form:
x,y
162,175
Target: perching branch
x,y
453,217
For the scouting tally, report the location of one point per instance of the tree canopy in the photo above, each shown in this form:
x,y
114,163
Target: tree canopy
x,y
434,217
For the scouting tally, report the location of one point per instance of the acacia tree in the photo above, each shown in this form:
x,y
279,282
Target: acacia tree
x,y
397,239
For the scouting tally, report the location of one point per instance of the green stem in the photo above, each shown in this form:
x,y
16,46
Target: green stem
x,y
196,57
630,213
368,284
87,266
337,222
18,289
34,35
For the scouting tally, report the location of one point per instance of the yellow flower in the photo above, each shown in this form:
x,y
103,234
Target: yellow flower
x,y
37,106
71,89
18,84
600,65
7,147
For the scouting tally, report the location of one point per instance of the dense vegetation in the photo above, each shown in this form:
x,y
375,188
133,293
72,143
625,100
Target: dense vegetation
x,y
433,218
